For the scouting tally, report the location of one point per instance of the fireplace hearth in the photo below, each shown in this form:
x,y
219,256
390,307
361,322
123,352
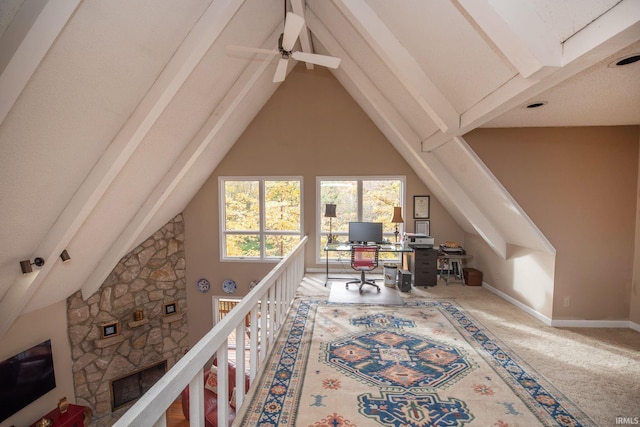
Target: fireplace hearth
x,y
132,386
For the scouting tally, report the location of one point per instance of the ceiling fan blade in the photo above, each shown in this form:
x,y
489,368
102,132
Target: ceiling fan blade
x,y
251,49
292,26
326,61
281,71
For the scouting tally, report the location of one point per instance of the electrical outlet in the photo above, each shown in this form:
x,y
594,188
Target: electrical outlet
x,y
567,301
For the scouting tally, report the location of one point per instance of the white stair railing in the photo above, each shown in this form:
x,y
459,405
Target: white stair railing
x,y
272,297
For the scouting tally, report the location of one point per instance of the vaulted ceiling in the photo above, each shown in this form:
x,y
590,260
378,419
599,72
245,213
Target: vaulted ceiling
x,y
113,113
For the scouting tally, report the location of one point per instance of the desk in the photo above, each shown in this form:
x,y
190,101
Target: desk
x,y
453,260
346,247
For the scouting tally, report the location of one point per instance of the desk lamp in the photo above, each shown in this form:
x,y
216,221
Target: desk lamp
x,y
330,212
397,219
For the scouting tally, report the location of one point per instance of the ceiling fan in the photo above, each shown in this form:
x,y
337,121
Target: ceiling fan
x,y
292,26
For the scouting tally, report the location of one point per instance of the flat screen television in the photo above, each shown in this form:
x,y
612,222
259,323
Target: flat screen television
x,y
25,377
365,232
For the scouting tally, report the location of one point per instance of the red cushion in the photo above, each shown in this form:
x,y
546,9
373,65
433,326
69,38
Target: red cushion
x,y
211,417
211,399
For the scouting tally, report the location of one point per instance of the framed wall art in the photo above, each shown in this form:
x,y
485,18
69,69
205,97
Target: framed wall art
x,y
421,207
110,329
169,309
422,226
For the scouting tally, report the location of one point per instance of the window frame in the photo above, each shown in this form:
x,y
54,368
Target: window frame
x,y
320,253
262,232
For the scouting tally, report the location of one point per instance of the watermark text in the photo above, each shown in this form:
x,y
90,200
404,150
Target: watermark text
x,y
629,421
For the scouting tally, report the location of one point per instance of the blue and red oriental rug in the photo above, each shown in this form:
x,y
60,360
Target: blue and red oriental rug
x,y
424,363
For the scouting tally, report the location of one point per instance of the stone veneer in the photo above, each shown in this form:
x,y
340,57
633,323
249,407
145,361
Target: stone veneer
x,y
150,276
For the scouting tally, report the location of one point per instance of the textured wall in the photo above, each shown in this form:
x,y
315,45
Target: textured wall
x,y
150,276
579,186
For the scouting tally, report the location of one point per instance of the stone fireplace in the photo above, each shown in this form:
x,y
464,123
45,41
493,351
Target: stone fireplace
x,y
126,326
130,387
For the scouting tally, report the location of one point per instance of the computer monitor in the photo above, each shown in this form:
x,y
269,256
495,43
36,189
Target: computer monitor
x,y
365,232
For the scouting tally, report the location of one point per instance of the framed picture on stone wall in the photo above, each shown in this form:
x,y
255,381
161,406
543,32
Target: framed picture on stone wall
x,y
110,329
169,309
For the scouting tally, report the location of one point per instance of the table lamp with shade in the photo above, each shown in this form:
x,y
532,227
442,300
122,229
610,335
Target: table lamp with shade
x,y
330,212
397,219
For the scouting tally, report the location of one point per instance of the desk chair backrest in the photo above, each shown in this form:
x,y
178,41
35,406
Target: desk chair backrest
x,y
364,258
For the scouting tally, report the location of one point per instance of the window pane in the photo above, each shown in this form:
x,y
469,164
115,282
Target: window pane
x,y
344,194
378,199
242,245
282,205
373,199
279,246
242,205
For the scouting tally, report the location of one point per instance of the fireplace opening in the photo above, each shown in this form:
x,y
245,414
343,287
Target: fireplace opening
x,y
132,386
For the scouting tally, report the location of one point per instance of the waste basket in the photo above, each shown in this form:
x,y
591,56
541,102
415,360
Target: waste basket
x,y
390,275
472,277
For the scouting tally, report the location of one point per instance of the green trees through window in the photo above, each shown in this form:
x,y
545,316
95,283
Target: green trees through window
x,y
369,199
262,217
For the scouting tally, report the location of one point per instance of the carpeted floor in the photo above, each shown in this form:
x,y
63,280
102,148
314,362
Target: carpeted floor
x,y
597,369
370,295
425,363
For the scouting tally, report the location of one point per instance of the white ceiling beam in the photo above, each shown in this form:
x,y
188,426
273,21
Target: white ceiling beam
x,y
29,46
245,85
356,82
186,58
508,96
298,7
426,166
400,62
611,32
519,32
457,196
501,196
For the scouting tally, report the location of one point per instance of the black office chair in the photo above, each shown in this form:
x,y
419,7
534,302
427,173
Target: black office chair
x,y
363,258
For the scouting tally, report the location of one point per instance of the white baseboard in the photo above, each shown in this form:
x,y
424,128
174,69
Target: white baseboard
x,y
541,317
560,323
590,323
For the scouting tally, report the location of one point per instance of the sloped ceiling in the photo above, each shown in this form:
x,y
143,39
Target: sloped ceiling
x,y
113,113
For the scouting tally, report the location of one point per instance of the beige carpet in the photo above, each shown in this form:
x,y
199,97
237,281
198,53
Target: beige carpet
x,y
598,369
370,295
426,363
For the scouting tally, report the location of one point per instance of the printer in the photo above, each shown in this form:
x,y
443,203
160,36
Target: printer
x,y
418,240
451,248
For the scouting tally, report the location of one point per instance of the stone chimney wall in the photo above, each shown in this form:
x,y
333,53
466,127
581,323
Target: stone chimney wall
x,y
146,279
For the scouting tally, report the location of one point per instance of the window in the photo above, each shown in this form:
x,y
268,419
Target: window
x,y
368,199
261,218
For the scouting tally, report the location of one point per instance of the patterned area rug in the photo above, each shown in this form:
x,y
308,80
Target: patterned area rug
x,y
425,363
370,295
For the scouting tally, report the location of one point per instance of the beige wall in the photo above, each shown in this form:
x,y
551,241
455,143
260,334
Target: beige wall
x,y
31,329
526,276
634,314
579,187
310,127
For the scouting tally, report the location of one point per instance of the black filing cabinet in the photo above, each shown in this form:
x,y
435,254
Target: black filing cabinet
x,y
423,264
